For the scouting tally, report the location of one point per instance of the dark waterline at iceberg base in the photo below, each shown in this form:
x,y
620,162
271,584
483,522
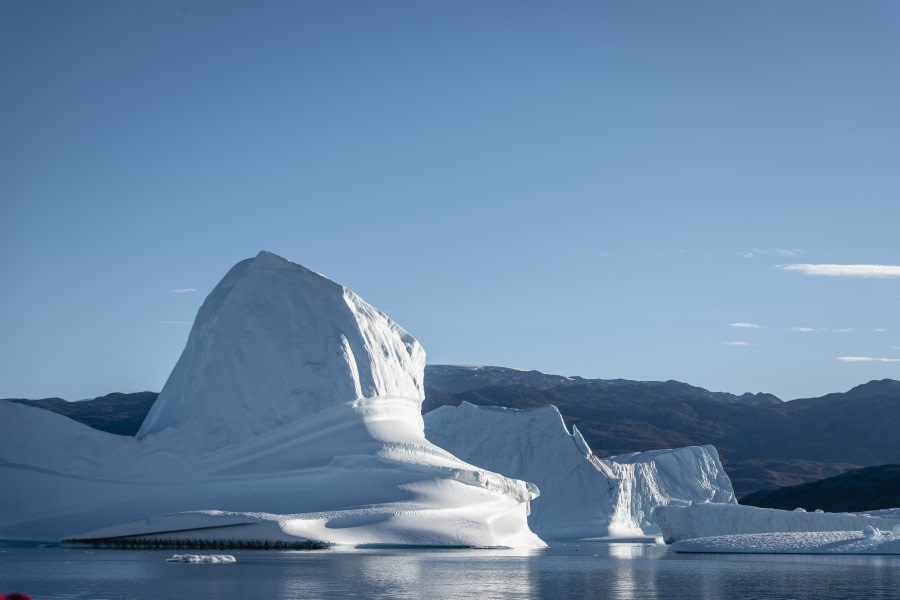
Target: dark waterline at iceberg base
x,y
564,570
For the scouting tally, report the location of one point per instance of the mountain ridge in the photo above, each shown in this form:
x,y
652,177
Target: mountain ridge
x,y
869,488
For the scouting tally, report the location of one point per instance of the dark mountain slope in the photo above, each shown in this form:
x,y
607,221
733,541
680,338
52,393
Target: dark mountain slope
x,y
455,379
871,488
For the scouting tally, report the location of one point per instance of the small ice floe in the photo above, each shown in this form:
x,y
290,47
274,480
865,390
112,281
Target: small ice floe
x,y
202,558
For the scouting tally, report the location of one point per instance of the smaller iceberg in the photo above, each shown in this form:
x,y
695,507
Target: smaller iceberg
x,y
716,520
582,496
868,541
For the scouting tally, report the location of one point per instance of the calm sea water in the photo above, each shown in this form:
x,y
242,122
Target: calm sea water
x,y
567,570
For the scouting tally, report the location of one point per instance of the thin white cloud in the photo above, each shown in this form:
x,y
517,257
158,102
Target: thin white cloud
x,y
753,253
746,325
182,291
785,252
855,359
173,322
844,330
804,329
864,271
737,344
788,252
880,330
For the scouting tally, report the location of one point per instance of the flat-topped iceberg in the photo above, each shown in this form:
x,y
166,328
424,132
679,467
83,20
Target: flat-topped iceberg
x,y
867,541
582,496
715,520
292,417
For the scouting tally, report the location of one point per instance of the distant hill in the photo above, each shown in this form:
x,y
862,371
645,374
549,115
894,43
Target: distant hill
x,y
762,441
456,378
871,488
121,414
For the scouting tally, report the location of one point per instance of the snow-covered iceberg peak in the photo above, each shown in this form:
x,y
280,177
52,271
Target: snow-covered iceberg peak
x,y
275,342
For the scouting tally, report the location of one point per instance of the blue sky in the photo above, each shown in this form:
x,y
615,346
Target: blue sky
x,y
604,189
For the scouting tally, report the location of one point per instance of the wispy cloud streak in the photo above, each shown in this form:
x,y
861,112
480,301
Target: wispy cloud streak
x,y
788,252
785,252
856,359
182,290
746,325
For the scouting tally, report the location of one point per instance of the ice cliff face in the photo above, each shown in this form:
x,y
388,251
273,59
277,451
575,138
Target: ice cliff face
x,y
581,495
678,477
293,415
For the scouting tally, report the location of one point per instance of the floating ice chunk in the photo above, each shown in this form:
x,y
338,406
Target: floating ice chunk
x,y
799,509
896,529
871,532
214,559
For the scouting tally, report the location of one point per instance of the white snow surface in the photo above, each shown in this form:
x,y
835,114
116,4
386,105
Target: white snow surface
x,y
582,496
868,541
293,414
714,520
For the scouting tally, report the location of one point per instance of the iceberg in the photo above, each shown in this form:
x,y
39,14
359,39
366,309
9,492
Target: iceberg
x,y
291,419
716,520
867,541
582,496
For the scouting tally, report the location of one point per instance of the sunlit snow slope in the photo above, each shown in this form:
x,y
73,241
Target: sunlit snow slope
x,y
292,415
581,495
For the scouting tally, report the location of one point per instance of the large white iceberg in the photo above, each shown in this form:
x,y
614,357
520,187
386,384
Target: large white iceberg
x,y
582,496
292,417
